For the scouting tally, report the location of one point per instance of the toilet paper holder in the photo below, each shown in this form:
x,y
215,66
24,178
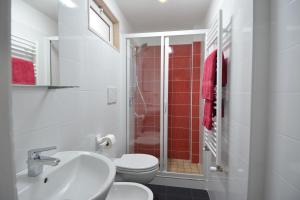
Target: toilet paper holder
x,y
102,142
105,142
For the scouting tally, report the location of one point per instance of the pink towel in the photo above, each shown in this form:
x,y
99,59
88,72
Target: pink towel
x,y
208,114
22,72
209,76
208,85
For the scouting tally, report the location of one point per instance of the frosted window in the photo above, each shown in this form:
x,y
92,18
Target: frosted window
x,y
99,23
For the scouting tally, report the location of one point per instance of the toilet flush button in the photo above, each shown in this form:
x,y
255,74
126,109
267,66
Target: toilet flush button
x,y
112,95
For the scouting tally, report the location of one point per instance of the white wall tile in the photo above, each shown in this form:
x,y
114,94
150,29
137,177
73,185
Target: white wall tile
x,y
284,158
70,118
7,175
33,108
233,183
285,23
284,112
282,179
279,189
284,69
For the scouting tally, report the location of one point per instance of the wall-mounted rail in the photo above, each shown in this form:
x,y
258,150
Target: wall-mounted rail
x,y
25,49
212,138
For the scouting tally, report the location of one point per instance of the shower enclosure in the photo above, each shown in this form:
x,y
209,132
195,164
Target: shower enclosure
x,y
163,99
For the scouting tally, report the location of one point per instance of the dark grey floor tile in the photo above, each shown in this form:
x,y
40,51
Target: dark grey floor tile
x,y
159,196
158,191
157,188
178,197
199,194
176,191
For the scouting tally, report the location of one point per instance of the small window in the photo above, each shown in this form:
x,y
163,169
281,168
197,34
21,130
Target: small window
x,y
103,23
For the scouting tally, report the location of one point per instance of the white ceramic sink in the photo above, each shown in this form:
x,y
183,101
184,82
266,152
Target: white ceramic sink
x,y
79,176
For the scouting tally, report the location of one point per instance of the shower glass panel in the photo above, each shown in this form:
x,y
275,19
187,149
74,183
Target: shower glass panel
x,y
184,137
163,99
144,93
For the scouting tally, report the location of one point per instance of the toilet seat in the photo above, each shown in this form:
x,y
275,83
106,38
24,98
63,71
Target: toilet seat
x,y
136,163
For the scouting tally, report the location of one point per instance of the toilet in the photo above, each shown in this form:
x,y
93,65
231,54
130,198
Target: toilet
x,y
139,168
129,191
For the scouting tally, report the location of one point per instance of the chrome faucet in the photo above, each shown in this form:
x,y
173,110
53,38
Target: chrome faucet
x,y
36,162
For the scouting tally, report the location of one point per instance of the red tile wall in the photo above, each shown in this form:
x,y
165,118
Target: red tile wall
x,y
184,81
180,71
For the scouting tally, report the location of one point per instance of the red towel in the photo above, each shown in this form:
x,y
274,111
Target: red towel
x,y
224,70
208,85
209,76
22,72
208,114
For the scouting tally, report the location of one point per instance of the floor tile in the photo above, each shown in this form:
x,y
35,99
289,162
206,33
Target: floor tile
x,y
176,193
199,195
184,166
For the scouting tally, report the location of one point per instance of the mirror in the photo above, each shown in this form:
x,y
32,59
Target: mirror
x,y
35,46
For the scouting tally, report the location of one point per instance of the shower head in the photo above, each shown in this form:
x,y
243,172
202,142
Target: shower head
x,y
144,45
138,49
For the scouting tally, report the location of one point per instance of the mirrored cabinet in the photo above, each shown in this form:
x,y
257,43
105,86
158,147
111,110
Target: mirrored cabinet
x,y
35,45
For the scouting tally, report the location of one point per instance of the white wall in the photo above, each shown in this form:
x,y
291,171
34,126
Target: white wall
x,y
259,99
233,183
7,172
34,25
273,171
70,118
283,175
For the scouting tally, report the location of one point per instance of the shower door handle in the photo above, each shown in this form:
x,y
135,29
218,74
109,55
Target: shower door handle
x,y
165,107
130,99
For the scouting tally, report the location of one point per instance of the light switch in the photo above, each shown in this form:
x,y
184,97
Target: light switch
x,y
112,95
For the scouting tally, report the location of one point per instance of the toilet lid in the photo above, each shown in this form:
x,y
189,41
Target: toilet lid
x,y
136,162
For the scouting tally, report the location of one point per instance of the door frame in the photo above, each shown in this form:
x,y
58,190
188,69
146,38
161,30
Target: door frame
x,y
164,36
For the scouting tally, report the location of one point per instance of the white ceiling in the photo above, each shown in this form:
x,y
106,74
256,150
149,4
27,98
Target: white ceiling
x,y
48,7
151,15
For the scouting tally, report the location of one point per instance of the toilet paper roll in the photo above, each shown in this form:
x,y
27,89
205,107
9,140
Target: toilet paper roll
x,y
107,141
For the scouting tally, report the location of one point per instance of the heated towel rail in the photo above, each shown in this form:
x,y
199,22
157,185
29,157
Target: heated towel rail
x,y
213,138
25,49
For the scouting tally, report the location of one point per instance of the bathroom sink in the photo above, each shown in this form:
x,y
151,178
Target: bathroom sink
x,y
79,176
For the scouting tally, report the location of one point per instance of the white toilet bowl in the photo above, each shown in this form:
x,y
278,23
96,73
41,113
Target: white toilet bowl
x,y
129,191
139,168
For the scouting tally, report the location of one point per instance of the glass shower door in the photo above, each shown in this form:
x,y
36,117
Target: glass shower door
x,y
144,95
182,133
163,101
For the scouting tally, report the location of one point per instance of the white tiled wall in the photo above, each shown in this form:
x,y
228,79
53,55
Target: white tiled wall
x,y
281,178
70,118
233,183
7,175
283,174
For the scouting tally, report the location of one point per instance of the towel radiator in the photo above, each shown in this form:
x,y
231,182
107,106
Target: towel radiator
x,y
25,49
212,138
